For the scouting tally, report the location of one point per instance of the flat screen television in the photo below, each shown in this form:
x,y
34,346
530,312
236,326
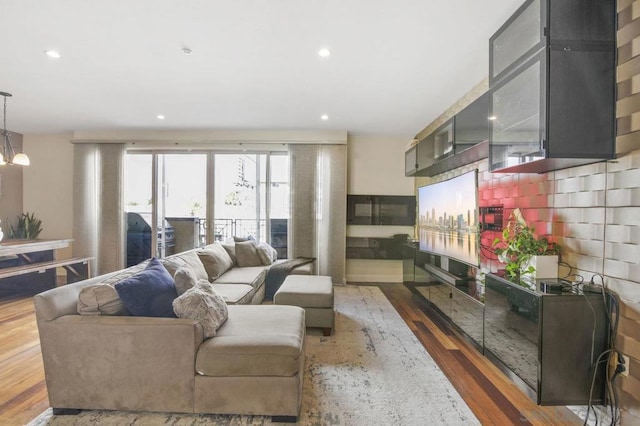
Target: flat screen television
x,y
448,218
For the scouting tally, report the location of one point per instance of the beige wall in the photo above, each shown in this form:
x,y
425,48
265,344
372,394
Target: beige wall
x,y
11,192
48,184
376,167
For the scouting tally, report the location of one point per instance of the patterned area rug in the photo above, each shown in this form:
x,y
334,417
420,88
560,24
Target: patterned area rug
x,y
371,371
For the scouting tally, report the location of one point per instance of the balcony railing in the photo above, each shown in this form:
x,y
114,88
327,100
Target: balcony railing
x,y
229,228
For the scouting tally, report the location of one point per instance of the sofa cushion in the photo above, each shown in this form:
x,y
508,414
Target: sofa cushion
x,y
247,254
254,276
215,259
201,303
97,300
235,294
100,299
231,250
262,340
149,293
184,279
266,253
187,258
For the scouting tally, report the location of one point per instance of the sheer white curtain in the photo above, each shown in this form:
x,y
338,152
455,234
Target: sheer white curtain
x,y
318,206
99,227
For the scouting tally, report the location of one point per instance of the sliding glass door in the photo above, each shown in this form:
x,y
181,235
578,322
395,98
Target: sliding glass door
x,y
250,199
170,190
251,193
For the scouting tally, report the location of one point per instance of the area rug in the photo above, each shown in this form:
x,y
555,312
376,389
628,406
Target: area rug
x,y
371,371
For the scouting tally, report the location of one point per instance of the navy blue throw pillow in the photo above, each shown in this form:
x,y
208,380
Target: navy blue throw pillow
x,y
149,293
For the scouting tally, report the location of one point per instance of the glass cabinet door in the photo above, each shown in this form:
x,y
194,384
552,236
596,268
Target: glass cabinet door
x,y
517,118
443,141
521,36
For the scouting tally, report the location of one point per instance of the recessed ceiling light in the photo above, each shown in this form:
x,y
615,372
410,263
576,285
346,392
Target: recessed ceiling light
x,y
325,117
187,51
324,52
160,117
52,54
493,117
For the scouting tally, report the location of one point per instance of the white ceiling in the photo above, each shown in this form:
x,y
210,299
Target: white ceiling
x,y
395,64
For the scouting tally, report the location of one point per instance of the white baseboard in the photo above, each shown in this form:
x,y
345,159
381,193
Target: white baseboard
x,y
377,278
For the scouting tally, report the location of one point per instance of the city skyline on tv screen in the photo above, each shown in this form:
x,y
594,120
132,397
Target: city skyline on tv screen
x,y
448,218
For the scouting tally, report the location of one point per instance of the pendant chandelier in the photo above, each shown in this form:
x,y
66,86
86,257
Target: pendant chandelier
x,y
7,154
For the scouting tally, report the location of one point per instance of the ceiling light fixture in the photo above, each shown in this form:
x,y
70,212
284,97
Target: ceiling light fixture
x,y
186,51
7,154
160,117
493,117
52,54
324,52
325,117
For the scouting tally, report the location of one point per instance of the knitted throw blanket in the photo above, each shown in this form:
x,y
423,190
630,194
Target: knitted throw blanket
x,y
279,271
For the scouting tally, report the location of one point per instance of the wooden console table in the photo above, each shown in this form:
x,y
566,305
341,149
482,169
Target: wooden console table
x,y
33,264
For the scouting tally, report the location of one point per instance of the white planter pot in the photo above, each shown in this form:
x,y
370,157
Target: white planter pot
x,y
545,267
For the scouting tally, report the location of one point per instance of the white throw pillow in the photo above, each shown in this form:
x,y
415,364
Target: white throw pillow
x,y
201,303
100,299
184,278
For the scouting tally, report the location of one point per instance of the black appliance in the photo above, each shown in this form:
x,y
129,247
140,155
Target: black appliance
x,y
139,238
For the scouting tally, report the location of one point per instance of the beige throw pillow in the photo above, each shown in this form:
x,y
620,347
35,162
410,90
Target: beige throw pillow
x,y
185,279
215,259
247,254
231,249
100,299
266,253
201,303
189,258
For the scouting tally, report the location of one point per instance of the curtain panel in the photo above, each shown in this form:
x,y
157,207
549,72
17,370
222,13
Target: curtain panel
x,y
99,227
318,206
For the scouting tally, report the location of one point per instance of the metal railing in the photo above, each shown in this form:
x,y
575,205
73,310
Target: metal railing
x,y
228,228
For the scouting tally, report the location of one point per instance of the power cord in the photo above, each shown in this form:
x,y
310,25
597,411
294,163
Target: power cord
x,y
612,309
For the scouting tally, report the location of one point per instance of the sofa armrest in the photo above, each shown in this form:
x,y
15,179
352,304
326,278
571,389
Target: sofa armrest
x,y
120,363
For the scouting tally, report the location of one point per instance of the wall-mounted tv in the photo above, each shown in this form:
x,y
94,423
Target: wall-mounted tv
x,y
448,218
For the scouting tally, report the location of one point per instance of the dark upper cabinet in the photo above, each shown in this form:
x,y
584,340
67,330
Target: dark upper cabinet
x,y
443,141
471,125
552,86
411,161
519,37
419,157
456,142
381,210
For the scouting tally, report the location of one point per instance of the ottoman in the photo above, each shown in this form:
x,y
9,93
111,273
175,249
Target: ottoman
x,y
313,293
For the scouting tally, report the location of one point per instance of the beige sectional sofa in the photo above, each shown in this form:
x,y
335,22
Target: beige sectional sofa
x,y
253,365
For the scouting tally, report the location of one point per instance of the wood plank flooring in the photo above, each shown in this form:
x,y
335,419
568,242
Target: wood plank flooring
x,y
23,394
492,397
489,394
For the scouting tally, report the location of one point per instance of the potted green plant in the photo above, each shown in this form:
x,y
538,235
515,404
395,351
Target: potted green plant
x,y
28,227
524,254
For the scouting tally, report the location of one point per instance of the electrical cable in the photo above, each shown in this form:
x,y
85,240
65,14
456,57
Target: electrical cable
x,y
612,309
593,382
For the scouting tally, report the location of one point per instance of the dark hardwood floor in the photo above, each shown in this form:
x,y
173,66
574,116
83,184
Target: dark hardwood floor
x,y
492,397
489,394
